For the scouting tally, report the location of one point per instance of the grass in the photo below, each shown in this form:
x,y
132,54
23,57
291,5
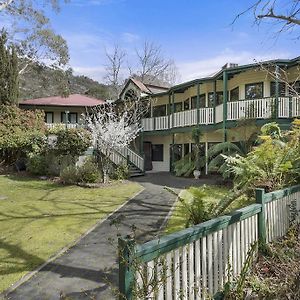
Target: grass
x,y
38,218
177,219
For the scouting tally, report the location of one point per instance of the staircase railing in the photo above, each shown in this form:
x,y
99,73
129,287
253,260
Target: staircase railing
x,y
133,157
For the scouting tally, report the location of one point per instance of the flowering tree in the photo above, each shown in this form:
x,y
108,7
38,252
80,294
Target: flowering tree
x,y
113,127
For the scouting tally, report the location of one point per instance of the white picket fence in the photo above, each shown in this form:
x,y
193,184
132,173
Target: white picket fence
x,y
194,263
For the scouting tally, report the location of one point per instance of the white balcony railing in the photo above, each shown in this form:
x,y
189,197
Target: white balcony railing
x,y
63,125
263,108
148,124
161,123
295,109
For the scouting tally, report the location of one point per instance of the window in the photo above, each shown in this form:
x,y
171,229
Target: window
x,y
157,152
234,94
201,101
281,91
202,150
219,98
177,106
177,148
186,149
72,117
254,90
49,117
159,111
186,104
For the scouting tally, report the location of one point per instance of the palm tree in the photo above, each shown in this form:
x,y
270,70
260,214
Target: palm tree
x,y
247,135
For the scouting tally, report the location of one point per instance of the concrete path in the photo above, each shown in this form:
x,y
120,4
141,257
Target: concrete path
x,y
88,269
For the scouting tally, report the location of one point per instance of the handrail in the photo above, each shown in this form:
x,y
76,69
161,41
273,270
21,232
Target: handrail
x,y
134,157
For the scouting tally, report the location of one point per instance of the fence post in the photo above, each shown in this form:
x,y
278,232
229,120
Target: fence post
x,y
126,274
259,195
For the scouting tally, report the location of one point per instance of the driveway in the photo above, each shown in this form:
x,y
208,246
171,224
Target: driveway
x,y
89,270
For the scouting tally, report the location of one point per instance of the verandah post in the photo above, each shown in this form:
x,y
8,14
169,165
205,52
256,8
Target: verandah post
x,y
225,89
262,234
126,273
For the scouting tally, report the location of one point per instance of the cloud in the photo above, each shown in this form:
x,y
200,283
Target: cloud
x,y
129,37
205,67
96,73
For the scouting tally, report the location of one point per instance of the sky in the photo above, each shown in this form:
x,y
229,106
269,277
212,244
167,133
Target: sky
x,y
198,35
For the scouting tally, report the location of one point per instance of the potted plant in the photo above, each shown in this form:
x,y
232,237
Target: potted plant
x,y
196,135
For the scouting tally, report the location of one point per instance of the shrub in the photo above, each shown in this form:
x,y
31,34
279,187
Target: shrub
x,y
88,172
72,142
21,132
36,164
69,175
195,209
121,172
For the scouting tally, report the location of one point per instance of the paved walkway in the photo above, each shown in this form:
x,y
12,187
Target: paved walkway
x,y
87,270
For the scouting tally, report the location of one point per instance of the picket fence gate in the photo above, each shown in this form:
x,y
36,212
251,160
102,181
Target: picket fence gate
x,y
194,263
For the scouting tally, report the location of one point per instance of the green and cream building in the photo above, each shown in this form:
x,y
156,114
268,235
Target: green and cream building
x,y
261,92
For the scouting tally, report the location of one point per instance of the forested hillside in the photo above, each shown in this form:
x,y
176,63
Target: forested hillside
x,y
40,81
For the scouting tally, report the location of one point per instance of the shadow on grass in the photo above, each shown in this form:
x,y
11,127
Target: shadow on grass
x,y
28,261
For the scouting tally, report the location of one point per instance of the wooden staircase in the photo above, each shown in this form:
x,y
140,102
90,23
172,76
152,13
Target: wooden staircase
x,y
134,161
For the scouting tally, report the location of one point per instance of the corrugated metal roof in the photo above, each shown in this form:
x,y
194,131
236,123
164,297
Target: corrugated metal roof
x,y
71,100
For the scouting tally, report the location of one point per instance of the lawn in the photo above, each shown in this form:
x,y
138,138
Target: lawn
x,y
214,194
38,218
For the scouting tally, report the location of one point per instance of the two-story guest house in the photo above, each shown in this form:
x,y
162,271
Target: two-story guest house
x,y
215,104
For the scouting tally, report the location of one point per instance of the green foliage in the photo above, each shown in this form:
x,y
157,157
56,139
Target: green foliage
x,y
36,164
69,175
271,129
195,209
9,83
120,172
88,172
21,132
73,142
186,165
246,134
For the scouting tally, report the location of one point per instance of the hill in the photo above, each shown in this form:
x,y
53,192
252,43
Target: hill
x,y
40,81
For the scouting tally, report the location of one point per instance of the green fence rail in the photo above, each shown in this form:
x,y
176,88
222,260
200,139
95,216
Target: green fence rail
x,y
195,261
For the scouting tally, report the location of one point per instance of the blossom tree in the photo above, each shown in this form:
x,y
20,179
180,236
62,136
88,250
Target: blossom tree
x,y
114,127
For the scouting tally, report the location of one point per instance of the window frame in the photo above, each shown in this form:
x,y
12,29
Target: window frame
x,y
157,107
52,116
273,85
238,94
161,155
254,83
62,114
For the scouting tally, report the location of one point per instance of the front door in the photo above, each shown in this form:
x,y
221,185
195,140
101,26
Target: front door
x,y
148,156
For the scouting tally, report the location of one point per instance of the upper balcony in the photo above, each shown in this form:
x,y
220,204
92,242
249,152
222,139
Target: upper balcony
x,y
263,108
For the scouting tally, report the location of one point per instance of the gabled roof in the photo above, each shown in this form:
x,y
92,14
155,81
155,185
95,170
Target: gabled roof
x,y
145,88
72,100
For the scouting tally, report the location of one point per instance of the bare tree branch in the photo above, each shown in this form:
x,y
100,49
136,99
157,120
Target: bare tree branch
x,y
152,66
113,69
286,15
